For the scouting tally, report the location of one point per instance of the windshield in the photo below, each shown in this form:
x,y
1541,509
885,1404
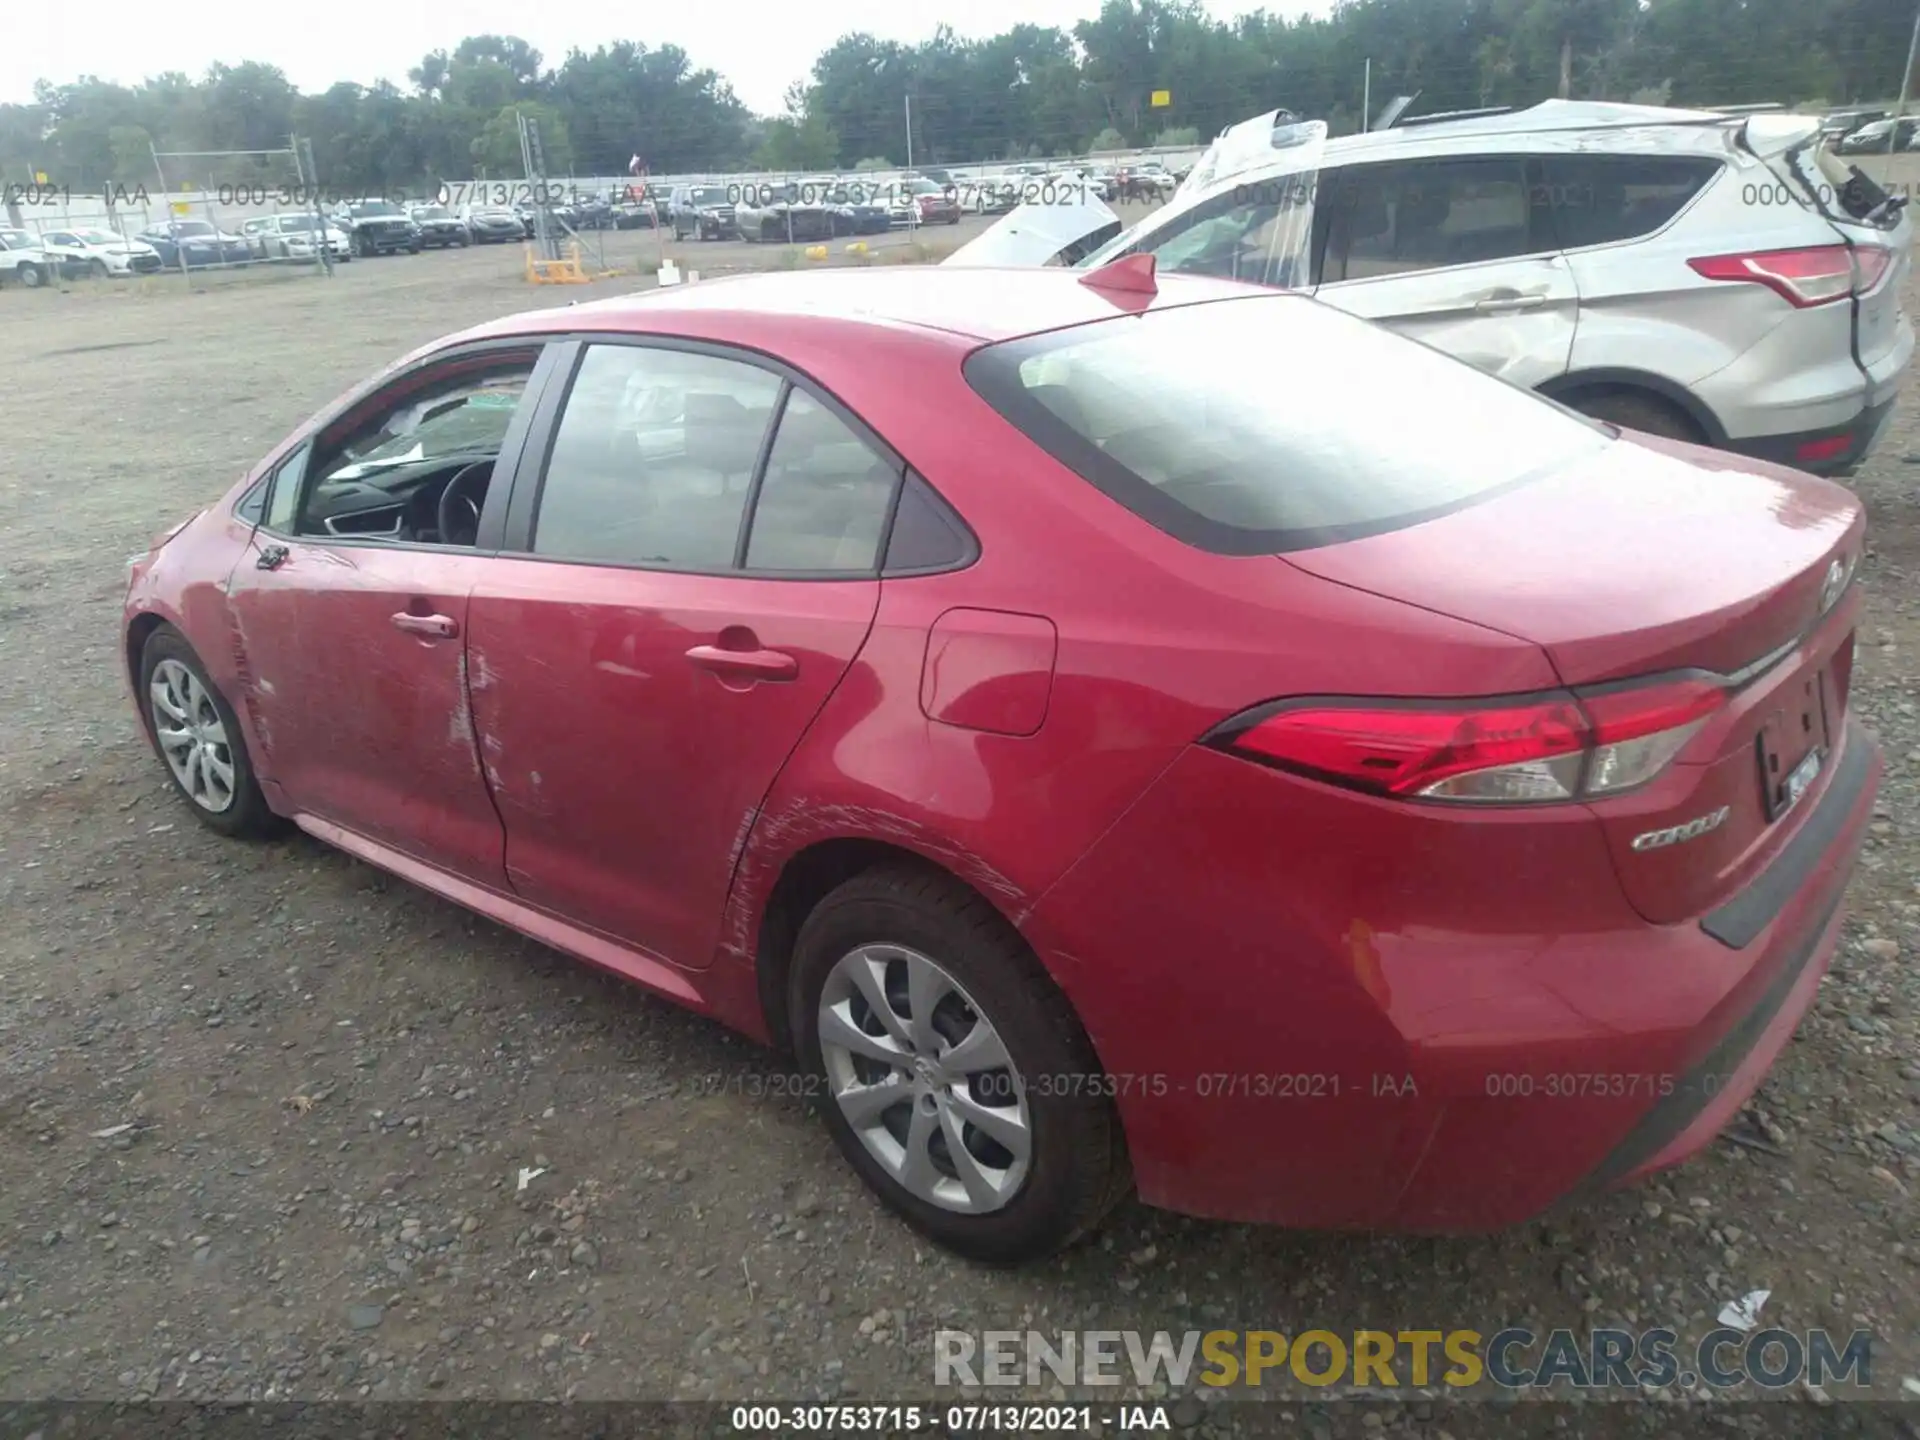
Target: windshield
x,y
97,237
1255,426
372,208
16,239
192,227
924,187
709,195
432,212
298,222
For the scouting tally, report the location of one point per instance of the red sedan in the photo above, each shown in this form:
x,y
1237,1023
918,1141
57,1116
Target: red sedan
x,y
1177,737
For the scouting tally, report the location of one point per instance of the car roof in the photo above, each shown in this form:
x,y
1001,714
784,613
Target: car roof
x,y
1553,124
972,304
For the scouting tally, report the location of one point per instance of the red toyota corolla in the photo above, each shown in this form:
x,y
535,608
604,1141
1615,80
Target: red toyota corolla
x,y
1183,738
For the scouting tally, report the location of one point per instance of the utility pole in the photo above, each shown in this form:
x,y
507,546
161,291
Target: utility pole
x,y
1366,98
1906,83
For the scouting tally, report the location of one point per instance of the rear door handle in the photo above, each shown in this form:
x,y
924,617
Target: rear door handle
x,y
745,664
444,627
1501,304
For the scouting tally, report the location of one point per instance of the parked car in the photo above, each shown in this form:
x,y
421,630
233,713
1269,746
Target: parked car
x,y
23,260
782,213
858,211
919,201
493,224
90,250
291,237
703,212
1844,122
197,242
1871,138
379,227
439,227
1718,279
634,210
1153,733
1146,180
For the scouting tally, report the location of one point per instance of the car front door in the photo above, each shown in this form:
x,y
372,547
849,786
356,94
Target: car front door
x,y
698,570
1458,253
350,609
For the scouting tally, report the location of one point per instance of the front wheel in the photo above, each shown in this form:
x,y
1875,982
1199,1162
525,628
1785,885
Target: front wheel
x,y
198,737
98,270
957,1079
31,275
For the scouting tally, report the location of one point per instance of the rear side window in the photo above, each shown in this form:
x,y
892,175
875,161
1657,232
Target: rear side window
x,y
1428,214
1274,423
1601,199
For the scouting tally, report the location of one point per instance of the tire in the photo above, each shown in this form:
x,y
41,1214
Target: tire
x,y
31,275
1076,1169
1636,410
98,269
363,247
245,814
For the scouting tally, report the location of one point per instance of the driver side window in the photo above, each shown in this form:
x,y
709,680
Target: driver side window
x,y
379,469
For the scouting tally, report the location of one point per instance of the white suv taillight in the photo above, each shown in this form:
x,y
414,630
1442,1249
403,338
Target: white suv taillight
x,y
1529,750
1815,275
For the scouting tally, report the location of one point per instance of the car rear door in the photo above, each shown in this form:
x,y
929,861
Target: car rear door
x,y
352,623
696,569
1457,252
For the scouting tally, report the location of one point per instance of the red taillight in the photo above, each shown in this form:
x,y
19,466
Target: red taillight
x,y
1529,750
1817,275
1831,447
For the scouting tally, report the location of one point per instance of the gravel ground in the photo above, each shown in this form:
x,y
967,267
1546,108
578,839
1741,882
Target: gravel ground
x,y
264,1110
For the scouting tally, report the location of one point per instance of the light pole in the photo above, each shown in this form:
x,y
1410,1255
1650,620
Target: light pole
x,y
879,64
1906,81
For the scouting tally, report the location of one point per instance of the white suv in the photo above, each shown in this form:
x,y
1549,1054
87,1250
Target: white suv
x,y
1719,279
22,259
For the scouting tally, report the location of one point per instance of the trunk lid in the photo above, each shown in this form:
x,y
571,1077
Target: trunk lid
x,y
1682,557
1653,557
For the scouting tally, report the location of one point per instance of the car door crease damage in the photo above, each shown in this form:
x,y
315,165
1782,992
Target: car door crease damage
x,y
1030,756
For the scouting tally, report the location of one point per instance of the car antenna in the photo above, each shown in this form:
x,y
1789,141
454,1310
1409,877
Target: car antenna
x,y
1130,274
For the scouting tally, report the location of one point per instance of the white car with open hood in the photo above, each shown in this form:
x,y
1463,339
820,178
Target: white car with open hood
x,y
1723,279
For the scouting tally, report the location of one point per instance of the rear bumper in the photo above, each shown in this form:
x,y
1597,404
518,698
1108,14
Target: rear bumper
x,y
1831,450
1408,1023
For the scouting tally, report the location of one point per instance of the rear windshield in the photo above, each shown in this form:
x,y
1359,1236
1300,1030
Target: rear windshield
x,y
1272,423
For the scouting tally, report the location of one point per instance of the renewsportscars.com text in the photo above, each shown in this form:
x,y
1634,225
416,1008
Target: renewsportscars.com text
x,y
1511,1359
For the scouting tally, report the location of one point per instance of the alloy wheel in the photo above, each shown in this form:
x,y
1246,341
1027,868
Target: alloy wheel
x,y
193,739
924,1080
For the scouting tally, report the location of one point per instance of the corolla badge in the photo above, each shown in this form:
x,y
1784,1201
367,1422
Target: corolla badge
x,y
1674,834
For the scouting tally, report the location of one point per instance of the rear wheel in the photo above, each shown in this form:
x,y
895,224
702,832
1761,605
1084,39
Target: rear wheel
x,y
198,738
1637,410
948,1063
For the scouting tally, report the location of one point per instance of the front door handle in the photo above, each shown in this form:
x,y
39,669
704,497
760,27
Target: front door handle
x,y
443,627
1501,304
745,664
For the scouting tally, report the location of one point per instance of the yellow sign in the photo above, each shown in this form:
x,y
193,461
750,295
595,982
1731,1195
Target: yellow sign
x,y
40,177
1162,99
181,207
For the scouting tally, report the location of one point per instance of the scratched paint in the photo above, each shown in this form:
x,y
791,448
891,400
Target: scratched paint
x,y
800,823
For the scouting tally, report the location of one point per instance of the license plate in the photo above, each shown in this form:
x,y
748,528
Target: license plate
x,y
1801,779
1793,745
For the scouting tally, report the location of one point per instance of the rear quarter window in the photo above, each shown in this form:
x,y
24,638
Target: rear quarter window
x,y
1603,199
1274,423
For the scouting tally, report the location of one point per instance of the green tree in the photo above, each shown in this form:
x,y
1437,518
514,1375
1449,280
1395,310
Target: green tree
x,y
496,149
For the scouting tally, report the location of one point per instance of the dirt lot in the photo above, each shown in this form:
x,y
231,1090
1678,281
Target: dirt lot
x,y
332,1080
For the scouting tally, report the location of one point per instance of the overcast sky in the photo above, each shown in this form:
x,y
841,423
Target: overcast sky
x,y
761,49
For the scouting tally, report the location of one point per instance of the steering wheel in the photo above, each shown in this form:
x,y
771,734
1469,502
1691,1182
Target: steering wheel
x,y
457,516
